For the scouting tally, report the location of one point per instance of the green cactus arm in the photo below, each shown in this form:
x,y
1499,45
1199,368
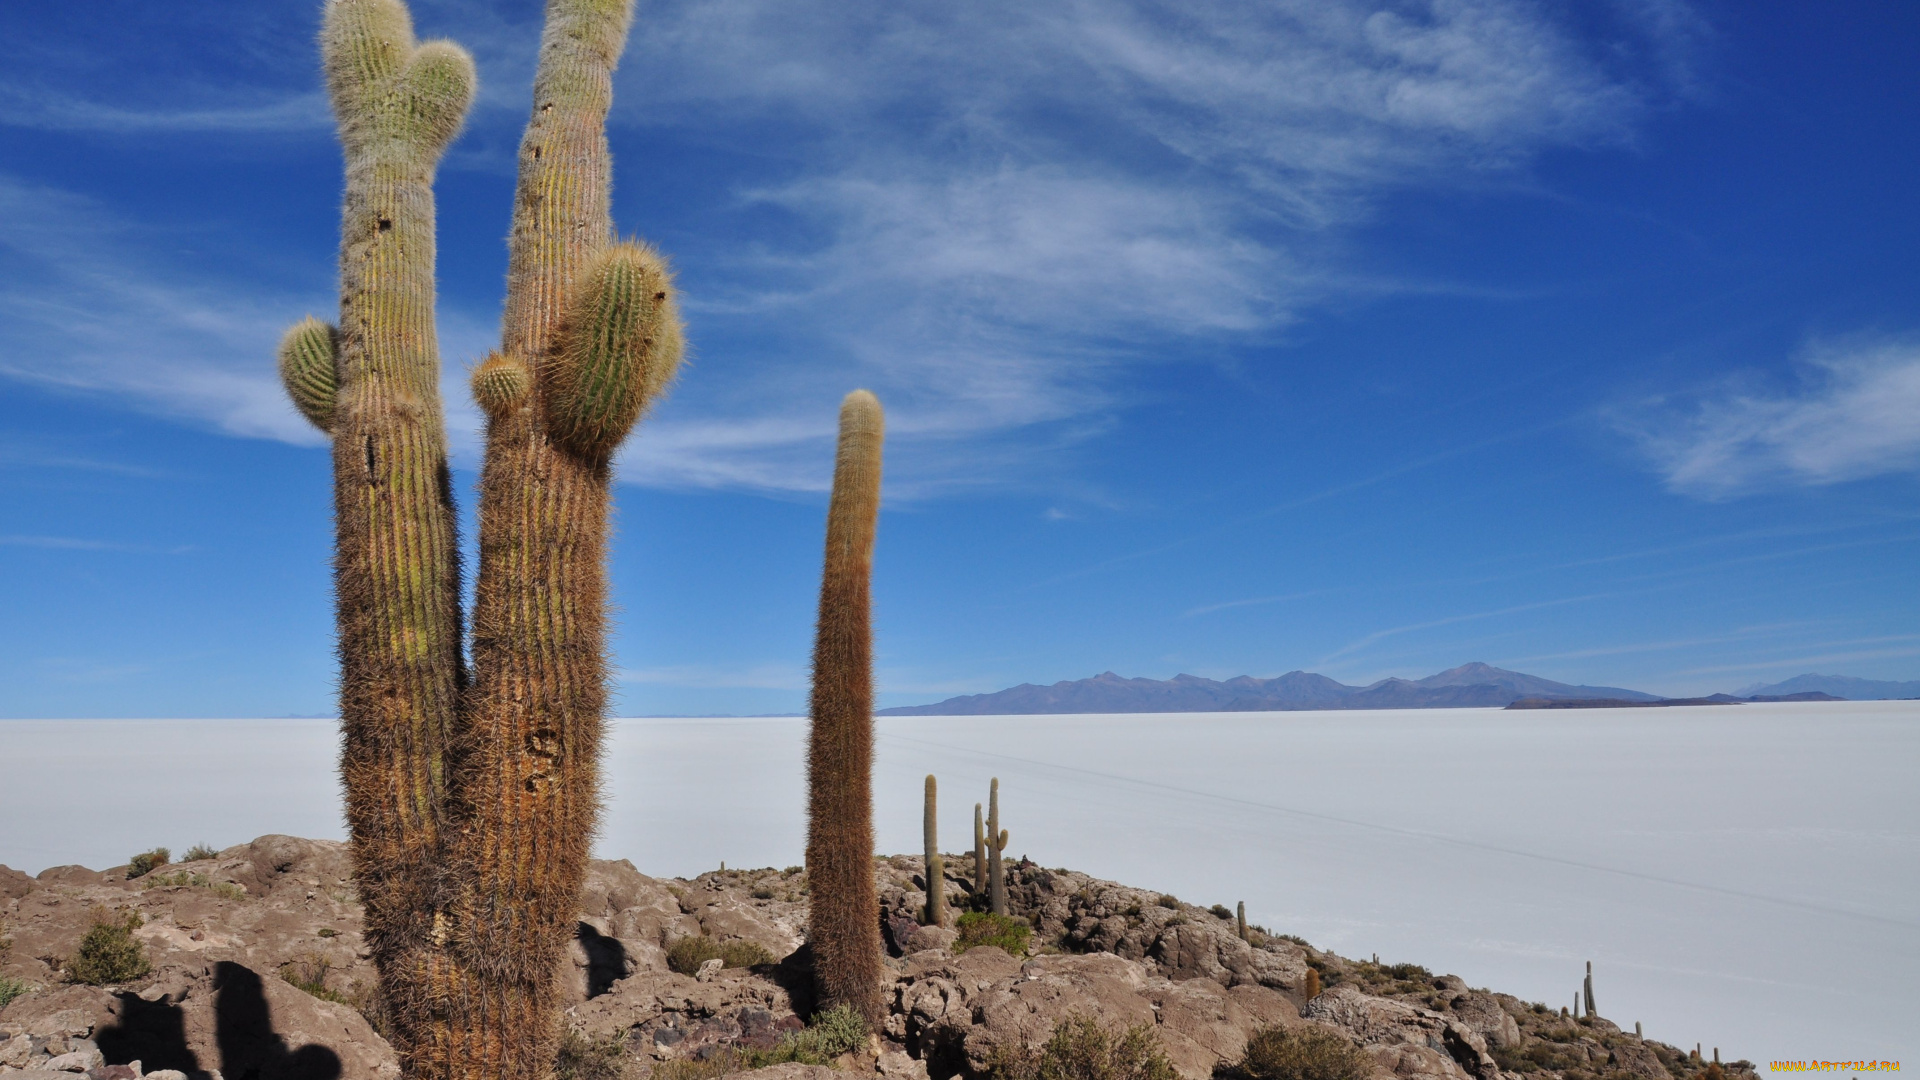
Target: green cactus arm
x,y
308,354
434,91
620,347
500,384
389,93
1001,844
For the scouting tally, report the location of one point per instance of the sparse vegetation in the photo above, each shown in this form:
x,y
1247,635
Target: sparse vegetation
x,y
1222,911
309,973
1168,900
762,892
11,988
582,1058
108,953
688,953
1307,1053
198,852
834,1032
185,879
985,928
1082,1048
328,931
146,862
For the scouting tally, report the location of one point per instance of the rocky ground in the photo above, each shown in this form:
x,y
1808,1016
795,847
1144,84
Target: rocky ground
x,y
258,973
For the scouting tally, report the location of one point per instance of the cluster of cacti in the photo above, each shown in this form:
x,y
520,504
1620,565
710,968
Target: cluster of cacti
x,y
843,920
472,795
936,867
996,843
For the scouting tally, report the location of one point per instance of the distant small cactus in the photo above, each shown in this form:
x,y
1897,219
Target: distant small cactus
x,y
979,855
1240,920
996,846
1313,983
936,867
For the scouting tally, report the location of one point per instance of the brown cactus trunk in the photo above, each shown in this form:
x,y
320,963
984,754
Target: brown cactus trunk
x,y
843,921
529,791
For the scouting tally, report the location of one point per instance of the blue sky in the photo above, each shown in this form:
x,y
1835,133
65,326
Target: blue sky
x,y
1362,337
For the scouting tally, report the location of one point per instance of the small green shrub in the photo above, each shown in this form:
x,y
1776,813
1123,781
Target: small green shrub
x,y
11,988
1307,1053
1168,900
1222,911
832,1033
762,892
1132,911
985,928
309,973
199,851
582,1058
1295,938
146,862
1081,1048
688,953
108,952
327,931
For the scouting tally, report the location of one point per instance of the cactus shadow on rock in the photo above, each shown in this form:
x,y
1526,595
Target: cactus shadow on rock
x,y
249,1047
607,961
153,1033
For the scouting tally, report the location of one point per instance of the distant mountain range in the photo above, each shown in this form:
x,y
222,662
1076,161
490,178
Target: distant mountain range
x,y
1844,686
1466,686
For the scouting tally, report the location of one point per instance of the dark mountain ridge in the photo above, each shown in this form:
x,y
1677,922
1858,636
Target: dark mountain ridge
x,y
1468,686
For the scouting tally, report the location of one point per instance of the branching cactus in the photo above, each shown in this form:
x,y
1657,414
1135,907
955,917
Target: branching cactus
x,y
373,385
936,867
996,840
589,338
843,920
471,803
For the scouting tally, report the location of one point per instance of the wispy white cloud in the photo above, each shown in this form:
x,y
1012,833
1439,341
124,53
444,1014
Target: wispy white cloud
x,y
87,305
1850,416
988,213
992,212
54,111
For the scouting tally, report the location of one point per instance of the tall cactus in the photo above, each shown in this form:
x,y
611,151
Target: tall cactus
x,y
589,336
1587,989
472,804
936,867
843,922
996,844
373,385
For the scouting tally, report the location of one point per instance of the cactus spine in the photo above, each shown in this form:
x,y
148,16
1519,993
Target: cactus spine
x,y
843,918
472,802
1240,919
996,843
936,913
